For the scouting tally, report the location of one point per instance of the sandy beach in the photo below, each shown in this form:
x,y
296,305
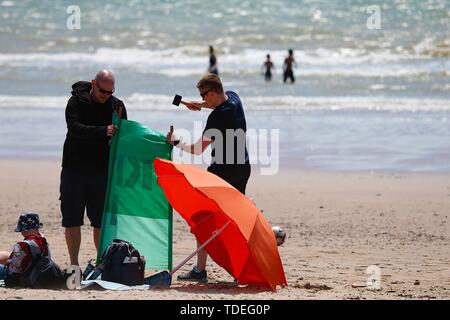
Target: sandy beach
x,y
338,224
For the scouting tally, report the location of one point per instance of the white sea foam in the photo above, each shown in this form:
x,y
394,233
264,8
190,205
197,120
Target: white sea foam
x,y
191,61
141,101
7,4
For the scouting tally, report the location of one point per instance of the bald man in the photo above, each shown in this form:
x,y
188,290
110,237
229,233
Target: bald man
x,y
84,172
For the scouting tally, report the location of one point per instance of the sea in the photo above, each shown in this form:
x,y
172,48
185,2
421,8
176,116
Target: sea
x,y
372,89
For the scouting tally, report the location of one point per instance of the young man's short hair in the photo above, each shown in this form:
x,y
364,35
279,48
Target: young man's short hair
x,y
211,82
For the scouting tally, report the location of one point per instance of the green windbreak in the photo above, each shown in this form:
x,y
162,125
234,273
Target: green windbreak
x,y
136,209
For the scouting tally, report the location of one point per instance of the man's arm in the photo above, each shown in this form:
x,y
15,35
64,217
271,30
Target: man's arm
x,y
79,130
196,148
196,106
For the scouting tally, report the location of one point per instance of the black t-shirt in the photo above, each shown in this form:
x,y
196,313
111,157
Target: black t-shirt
x,y
227,127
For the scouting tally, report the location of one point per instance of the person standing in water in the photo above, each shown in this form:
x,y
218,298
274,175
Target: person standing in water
x,y
289,64
268,66
212,62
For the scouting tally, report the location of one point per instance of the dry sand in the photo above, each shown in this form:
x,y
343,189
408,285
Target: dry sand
x,y
338,224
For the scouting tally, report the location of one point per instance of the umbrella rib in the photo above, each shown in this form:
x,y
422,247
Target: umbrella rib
x,y
214,235
206,218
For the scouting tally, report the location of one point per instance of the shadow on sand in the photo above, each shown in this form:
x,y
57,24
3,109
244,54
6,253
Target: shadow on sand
x,y
218,288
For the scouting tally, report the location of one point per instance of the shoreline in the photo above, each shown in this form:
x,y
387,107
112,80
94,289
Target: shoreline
x,y
285,169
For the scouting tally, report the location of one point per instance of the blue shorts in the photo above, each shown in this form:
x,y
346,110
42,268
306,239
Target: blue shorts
x,y
2,272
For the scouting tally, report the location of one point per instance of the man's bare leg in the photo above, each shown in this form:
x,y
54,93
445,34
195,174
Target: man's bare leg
x,y
201,258
199,272
96,232
73,241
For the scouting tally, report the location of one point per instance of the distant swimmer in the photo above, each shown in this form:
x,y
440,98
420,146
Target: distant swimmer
x,y
268,66
212,62
289,64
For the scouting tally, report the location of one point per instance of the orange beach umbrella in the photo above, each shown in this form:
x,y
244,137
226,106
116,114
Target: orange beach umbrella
x,y
246,247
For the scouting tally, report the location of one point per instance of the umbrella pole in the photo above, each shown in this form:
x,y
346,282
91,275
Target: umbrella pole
x,y
215,234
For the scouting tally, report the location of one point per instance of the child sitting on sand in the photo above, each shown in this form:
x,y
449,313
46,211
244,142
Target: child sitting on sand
x,y
16,266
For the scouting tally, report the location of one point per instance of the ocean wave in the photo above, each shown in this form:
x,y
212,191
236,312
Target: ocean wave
x,y
192,61
433,48
150,102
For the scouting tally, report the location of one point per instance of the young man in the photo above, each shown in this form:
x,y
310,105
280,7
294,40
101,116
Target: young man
x,y
16,263
226,131
212,62
84,172
267,67
289,64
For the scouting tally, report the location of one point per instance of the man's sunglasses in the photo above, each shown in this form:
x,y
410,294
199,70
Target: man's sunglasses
x,y
203,94
104,91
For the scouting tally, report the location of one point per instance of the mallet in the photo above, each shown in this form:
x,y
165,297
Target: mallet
x,y
177,100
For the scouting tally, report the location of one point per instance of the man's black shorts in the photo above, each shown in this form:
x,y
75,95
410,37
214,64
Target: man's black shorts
x,y
80,191
236,175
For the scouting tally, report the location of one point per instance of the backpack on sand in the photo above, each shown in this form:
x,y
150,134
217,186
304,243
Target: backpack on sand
x,y
44,273
122,263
